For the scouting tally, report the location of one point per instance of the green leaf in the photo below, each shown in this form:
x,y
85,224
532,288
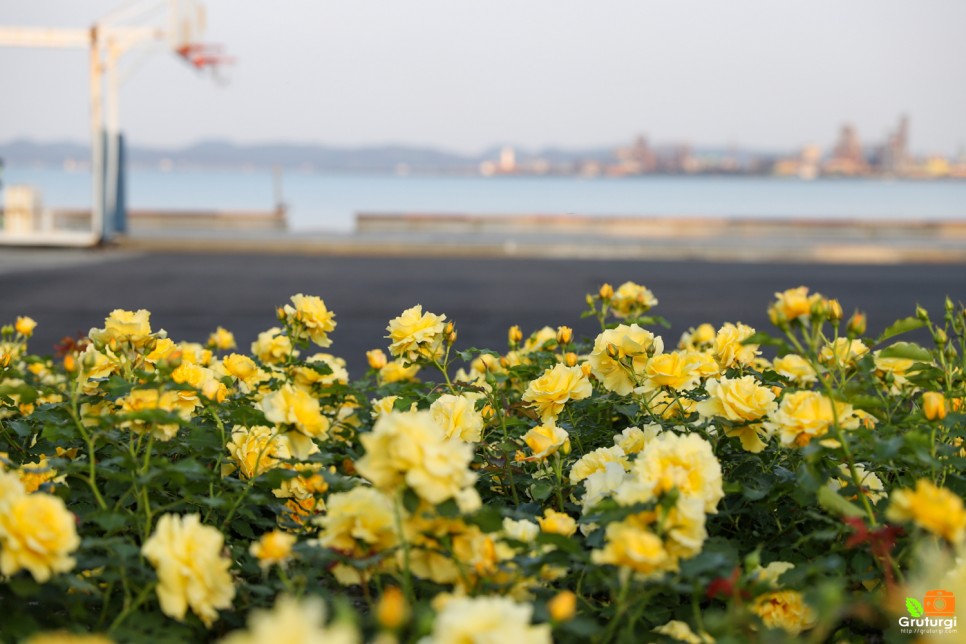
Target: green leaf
x,y
907,350
834,504
914,607
541,490
899,327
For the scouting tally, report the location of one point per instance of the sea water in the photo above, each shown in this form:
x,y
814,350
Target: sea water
x,y
331,201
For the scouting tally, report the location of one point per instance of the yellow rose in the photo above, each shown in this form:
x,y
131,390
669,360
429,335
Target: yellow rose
x,y
271,347
147,400
684,462
397,371
307,377
597,460
291,406
728,348
307,484
624,345
872,485
551,391
633,439
932,508
25,326
35,474
784,609
411,449
273,549
555,522
631,299
933,405
523,531
897,368
843,352
392,611
359,522
458,417
201,378
309,319
795,368
804,415
545,440
629,545
241,367
124,326
677,370
416,335
697,339
793,304
740,400
11,487
37,534
192,572
376,359
222,339
294,621
487,619
66,637
256,450
681,632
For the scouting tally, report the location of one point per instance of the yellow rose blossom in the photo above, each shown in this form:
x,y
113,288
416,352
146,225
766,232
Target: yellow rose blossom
x,y
256,450
523,530
25,326
663,404
631,347
697,339
392,611
273,549
359,522
222,339
310,319
740,400
539,340
66,637
681,632
793,304
631,300
729,349
557,523
677,370
416,335
122,326
843,352
308,376
201,378
295,407
673,461
545,440
192,572
307,484
458,417
33,475
271,347
411,449
933,405
898,370
487,619
11,487
628,545
195,353
804,415
932,508
633,439
872,485
796,368
785,610
596,461
396,371
555,388
149,400
294,621
37,534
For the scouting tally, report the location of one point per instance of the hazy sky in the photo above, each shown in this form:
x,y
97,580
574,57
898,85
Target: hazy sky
x,y
465,74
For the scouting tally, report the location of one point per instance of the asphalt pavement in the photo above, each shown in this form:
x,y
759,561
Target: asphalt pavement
x,y
189,294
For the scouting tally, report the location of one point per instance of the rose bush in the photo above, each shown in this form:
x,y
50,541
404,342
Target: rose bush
x,y
734,486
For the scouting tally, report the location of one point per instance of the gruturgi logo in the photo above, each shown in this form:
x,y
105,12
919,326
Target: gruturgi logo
x,y
934,615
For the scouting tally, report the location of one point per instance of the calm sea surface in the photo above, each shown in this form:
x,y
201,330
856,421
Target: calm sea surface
x,y
330,201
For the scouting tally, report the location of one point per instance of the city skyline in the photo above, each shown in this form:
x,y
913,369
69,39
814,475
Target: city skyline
x,y
533,75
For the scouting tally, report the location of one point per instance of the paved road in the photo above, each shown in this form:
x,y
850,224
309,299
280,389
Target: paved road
x,y
190,294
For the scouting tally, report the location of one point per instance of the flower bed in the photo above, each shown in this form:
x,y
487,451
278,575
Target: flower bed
x,y
737,486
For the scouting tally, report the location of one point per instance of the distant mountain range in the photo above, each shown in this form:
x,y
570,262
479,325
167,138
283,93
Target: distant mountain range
x,y
386,158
